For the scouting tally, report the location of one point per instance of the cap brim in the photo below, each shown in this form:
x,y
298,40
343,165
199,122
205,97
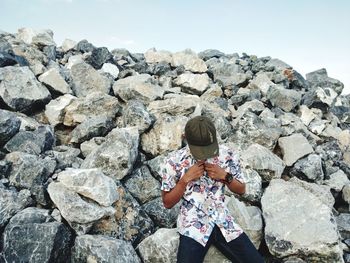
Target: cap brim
x,y
204,152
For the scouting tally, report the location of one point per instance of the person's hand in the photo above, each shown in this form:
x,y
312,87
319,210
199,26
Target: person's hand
x,y
194,173
215,172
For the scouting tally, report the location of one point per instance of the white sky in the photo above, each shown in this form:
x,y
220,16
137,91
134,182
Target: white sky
x,y
306,34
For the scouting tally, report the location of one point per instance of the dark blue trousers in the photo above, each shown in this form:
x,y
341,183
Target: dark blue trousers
x,y
239,250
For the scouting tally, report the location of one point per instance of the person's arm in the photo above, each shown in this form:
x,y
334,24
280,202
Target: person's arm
x,y
172,197
217,173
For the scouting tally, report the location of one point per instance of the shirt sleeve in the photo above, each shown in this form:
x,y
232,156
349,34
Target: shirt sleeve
x,y
234,166
168,175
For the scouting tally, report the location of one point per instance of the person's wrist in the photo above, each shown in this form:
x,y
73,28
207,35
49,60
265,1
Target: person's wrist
x,y
183,181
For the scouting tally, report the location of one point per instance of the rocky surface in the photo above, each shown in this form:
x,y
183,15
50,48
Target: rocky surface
x,y
84,131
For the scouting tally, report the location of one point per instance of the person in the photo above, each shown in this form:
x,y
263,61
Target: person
x,y
197,176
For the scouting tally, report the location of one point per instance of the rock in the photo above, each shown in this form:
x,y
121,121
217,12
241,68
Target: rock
x,y
307,115
154,56
36,37
155,165
319,98
110,69
88,146
108,250
92,127
277,64
331,155
9,126
250,128
249,218
160,215
191,83
142,185
262,82
253,183
210,53
229,74
54,81
33,236
84,46
87,80
319,78
309,168
99,56
294,147
128,222
12,202
79,213
189,60
254,106
93,105
283,98
259,158
177,105
141,87
343,222
7,59
91,183
164,136
65,156
346,193
73,60
298,223
117,155
135,114
68,44
337,180
55,109
20,90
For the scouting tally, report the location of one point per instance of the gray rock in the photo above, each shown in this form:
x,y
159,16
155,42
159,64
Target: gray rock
x,y
88,146
309,168
319,98
253,183
154,56
99,56
12,202
337,180
65,156
54,81
346,193
93,105
84,46
109,250
191,83
294,147
37,37
92,127
80,213
86,80
319,78
189,60
343,222
155,165
55,109
283,98
128,222
229,74
136,114
298,223
117,155
33,236
210,53
91,183
277,64
68,44
142,87
250,128
9,125
166,135
262,82
259,158
7,59
142,185
20,90
160,215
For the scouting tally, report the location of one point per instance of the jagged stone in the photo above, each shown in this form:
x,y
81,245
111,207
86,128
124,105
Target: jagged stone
x,y
343,222
193,83
65,156
36,37
189,60
54,81
210,53
309,167
99,56
88,146
68,44
135,114
110,69
285,99
154,56
9,126
262,82
84,46
337,180
319,78
55,109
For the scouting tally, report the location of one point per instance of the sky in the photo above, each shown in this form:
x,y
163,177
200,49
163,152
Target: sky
x,y
306,34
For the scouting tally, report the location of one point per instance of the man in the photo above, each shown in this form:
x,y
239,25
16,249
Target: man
x,y
197,175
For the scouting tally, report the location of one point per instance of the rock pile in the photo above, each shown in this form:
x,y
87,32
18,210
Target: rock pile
x,y
84,132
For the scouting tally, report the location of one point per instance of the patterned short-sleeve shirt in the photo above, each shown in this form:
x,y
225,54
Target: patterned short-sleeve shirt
x,y
203,204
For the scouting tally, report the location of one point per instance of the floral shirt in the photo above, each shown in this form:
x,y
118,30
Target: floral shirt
x,y
203,205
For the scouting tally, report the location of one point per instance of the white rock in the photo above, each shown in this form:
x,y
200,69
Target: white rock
x,y
189,60
337,180
68,44
55,81
76,59
262,82
54,110
193,83
39,37
154,56
111,69
306,114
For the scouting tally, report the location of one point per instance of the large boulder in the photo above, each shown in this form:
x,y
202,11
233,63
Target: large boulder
x,y
154,56
136,114
20,90
299,223
98,248
193,83
40,38
32,235
189,60
284,99
117,154
319,78
54,81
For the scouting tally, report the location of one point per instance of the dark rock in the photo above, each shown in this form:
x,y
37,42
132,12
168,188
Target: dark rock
x,y
319,78
136,114
33,236
7,59
343,223
50,52
161,68
4,169
9,125
99,56
84,46
331,155
160,215
309,168
142,67
65,156
210,53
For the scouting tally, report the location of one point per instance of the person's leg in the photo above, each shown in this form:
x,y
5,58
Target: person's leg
x,y
190,251
239,250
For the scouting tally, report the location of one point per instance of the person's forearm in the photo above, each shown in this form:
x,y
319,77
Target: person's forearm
x,y
236,186
172,197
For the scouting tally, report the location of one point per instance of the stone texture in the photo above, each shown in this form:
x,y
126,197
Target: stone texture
x,y
68,44
55,109
319,78
283,98
110,69
54,81
88,146
294,147
287,206
117,155
37,37
189,60
343,222
98,248
193,83
154,56
309,168
135,114
9,125
65,156
337,180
